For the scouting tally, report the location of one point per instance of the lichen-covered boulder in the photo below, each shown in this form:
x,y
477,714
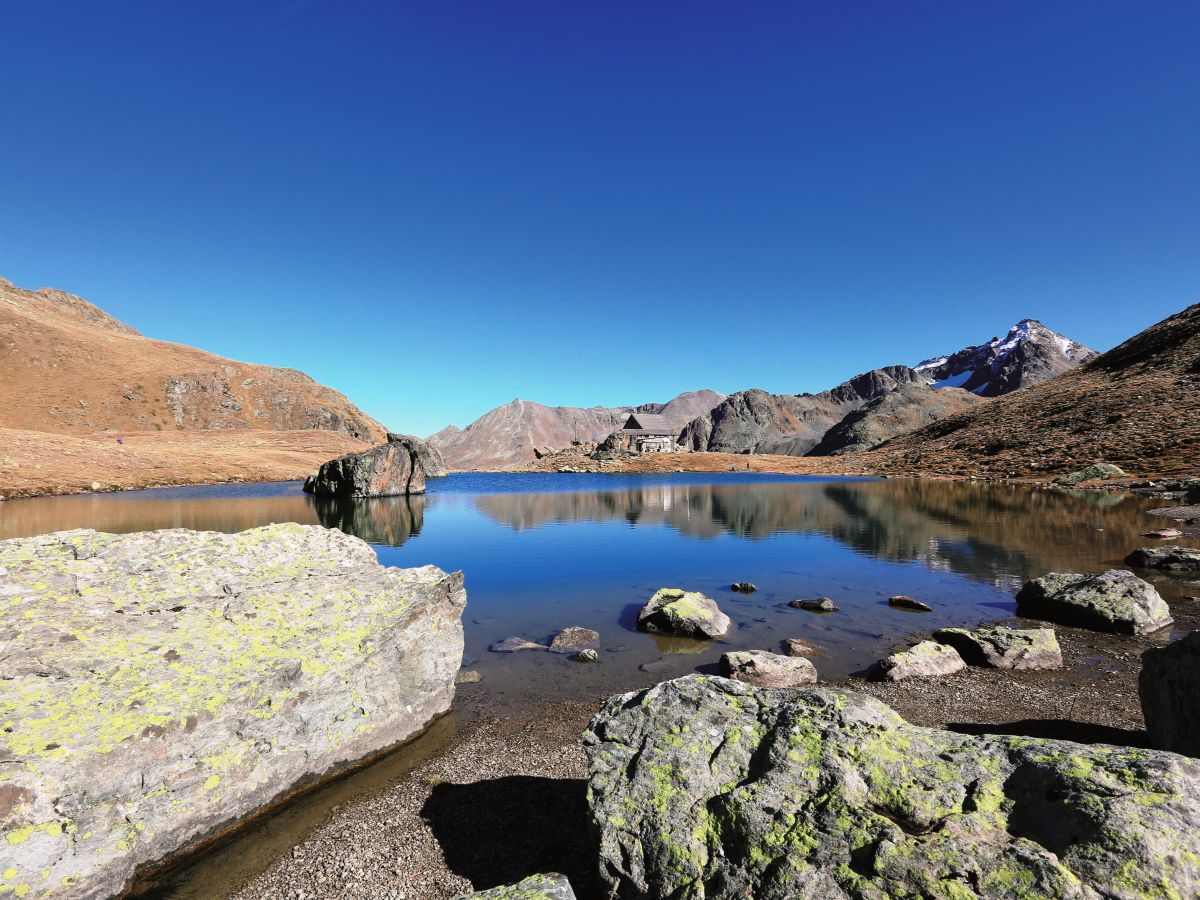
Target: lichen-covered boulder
x,y
1115,600
707,787
1169,687
551,886
392,469
763,669
157,687
687,613
998,647
1097,472
927,659
1178,559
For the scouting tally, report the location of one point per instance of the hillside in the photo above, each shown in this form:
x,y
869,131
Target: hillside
x,y
508,435
1137,406
67,367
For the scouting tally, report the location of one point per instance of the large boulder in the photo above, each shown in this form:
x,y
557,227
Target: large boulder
x,y
389,470
536,887
428,455
927,659
707,787
1097,472
1115,600
763,669
1178,559
1169,686
687,613
998,647
158,687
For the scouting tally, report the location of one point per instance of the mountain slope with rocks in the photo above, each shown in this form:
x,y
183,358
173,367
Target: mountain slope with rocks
x,y
1137,406
858,414
510,434
67,367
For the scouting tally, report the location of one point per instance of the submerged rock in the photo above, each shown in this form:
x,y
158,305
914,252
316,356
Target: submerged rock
x,y
763,669
707,787
820,604
159,686
800,647
514,644
686,613
998,647
902,602
587,655
1169,687
574,638
1097,472
536,887
1116,601
743,587
470,676
924,660
1179,559
1164,533
391,469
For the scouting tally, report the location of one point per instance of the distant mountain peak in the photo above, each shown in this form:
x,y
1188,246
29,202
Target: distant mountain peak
x,y
1029,353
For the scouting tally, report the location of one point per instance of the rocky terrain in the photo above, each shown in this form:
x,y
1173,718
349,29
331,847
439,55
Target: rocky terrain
x,y
161,686
66,367
1136,406
510,435
862,413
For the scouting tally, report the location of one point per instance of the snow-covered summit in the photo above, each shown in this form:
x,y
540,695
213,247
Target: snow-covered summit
x,y
1029,353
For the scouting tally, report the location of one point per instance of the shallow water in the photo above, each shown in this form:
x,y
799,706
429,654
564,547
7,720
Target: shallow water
x,y
541,552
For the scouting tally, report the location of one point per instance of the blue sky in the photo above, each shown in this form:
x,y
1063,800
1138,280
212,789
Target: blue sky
x,y
437,206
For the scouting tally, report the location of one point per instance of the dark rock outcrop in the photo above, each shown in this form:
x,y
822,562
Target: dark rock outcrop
x,y
896,412
1176,559
1169,687
1115,600
391,469
707,787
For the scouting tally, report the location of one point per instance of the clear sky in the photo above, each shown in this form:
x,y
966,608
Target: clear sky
x,y
437,206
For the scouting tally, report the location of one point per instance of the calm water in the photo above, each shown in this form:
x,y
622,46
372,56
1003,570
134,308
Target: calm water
x,y
541,552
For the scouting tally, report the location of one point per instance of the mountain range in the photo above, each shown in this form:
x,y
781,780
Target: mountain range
x,y
856,415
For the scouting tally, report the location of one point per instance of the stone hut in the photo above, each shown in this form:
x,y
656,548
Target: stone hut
x,y
648,433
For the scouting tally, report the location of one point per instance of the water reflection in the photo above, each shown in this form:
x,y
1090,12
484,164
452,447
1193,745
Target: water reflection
x,y
385,520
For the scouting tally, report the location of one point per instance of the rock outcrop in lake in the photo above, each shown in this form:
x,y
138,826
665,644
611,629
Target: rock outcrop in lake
x,y
1115,600
1169,688
160,686
396,468
686,613
707,787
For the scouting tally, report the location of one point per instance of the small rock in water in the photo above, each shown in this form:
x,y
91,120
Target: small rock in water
x,y
470,676
513,644
763,669
587,655
1178,559
900,601
688,613
797,647
922,660
1164,533
821,604
744,587
574,638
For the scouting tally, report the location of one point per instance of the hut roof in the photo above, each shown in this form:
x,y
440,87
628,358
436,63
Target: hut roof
x,y
649,422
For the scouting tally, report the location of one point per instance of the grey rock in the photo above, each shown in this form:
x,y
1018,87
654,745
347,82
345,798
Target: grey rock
x,y
1169,687
998,647
1097,472
1116,601
514,644
763,669
707,787
687,613
902,602
587,655
159,686
470,676
799,647
574,638
551,886
927,659
389,470
429,457
1178,559
820,604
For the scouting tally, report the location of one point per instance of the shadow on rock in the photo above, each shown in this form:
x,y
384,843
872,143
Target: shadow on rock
x,y
1059,729
500,831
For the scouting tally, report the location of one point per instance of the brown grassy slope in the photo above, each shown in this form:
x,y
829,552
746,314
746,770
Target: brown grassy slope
x,y
1137,406
38,462
69,368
